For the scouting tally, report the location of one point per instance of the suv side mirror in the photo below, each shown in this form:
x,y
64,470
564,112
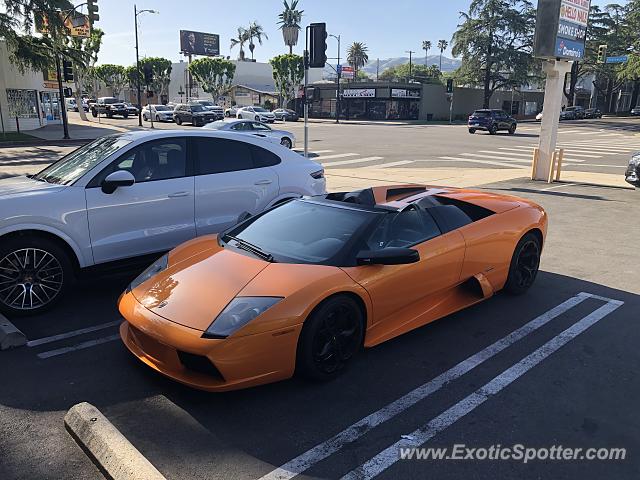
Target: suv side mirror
x,y
388,256
121,178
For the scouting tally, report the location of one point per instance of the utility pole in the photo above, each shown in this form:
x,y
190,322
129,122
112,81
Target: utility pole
x,y
378,70
339,73
410,52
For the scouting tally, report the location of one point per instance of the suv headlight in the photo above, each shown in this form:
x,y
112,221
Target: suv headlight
x,y
239,312
152,270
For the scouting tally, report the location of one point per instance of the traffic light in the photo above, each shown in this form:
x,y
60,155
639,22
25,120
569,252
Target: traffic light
x,y
449,85
67,71
92,8
602,54
317,45
147,72
67,92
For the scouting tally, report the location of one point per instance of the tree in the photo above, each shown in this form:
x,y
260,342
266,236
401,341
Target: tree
x,y
357,56
421,73
240,40
495,41
288,73
83,71
289,22
113,76
255,31
161,73
214,75
426,46
442,46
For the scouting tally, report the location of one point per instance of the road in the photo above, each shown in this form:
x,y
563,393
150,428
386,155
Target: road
x,y
557,366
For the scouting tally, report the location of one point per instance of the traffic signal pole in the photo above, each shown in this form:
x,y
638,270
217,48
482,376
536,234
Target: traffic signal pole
x,y
306,100
63,107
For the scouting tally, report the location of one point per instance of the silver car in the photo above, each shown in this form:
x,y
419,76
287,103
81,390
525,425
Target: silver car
x,y
256,129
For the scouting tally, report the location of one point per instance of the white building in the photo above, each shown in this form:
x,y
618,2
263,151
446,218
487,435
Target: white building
x,y
28,100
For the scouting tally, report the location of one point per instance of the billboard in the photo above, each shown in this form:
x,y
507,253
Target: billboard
x,y
347,72
561,29
199,43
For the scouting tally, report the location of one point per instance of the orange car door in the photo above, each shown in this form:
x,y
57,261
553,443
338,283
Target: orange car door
x,y
404,297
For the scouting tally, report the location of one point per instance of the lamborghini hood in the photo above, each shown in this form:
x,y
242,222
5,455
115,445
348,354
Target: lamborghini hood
x,y
201,279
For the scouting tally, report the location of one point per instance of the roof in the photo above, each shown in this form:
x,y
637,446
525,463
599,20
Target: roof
x,y
260,89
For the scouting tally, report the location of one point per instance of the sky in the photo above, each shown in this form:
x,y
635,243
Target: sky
x,y
388,28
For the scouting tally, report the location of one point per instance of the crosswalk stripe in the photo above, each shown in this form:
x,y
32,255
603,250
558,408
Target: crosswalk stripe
x,y
506,153
521,160
337,155
393,164
318,152
475,160
355,160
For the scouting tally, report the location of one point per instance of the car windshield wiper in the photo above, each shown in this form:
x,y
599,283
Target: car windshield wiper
x,y
250,247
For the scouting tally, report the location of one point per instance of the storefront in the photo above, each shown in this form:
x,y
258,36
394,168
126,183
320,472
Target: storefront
x,y
369,101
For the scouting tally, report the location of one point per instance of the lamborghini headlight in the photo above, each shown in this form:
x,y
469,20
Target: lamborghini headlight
x,y
239,312
153,269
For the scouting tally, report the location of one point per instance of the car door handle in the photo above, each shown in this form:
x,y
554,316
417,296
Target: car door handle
x,y
264,182
178,194
259,135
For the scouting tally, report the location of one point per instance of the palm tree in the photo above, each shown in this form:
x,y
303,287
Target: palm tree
x,y
426,46
240,40
256,31
290,19
357,56
442,45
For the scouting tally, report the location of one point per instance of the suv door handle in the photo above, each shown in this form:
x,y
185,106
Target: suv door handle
x,y
264,182
178,194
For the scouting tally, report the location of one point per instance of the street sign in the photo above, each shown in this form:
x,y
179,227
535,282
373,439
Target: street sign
x,y
339,68
347,72
561,29
618,59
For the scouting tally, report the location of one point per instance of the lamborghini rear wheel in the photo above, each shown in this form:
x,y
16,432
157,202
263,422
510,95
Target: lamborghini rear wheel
x,y
331,337
524,265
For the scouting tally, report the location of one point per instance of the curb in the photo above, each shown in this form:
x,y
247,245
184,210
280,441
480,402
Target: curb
x,y
46,143
116,457
10,336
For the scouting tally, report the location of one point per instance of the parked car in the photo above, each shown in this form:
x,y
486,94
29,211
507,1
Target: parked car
x,y
592,113
232,111
492,121
159,113
635,112
258,114
286,115
137,193
256,129
572,113
131,109
632,175
303,287
539,117
218,110
109,106
72,105
193,113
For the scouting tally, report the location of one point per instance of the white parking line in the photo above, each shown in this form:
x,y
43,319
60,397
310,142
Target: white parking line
x,y
74,333
483,162
383,460
394,164
350,434
337,155
79,346
349,162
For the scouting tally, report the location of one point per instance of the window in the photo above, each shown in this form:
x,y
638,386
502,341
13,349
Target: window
x,y
260,127
217,155
22,103
403,229
263,157
241,127
151,161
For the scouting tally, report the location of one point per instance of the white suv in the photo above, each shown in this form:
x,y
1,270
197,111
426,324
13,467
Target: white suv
x,y
128,195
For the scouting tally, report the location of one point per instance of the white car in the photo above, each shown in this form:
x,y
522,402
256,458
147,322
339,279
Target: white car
x,y
258,114
138,193
256,129
159,113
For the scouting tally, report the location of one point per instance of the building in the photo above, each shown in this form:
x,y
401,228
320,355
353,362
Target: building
x,y
28,100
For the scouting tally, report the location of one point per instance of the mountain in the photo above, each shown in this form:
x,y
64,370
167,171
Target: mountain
x,y
448,64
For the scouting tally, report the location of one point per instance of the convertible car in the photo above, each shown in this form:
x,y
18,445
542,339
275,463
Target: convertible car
x,y
305,285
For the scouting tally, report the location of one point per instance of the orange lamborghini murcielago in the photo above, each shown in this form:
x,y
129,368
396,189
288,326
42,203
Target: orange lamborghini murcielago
x,y
303,286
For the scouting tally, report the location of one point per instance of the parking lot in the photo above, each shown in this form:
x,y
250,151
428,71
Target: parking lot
x,y
557,366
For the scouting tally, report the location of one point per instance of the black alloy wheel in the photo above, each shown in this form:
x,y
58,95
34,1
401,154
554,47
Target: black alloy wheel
x,y
493,129
525,264
331,337
286,142
512,129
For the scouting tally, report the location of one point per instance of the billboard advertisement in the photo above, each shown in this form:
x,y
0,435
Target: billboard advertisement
x,y
561,29
199,43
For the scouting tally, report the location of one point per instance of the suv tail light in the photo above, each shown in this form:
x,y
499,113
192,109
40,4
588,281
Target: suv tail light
x,y
318,175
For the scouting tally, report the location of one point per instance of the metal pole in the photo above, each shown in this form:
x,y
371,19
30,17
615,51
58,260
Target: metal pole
x,y
338,91
306,100
63,110
135,15
451,110
189,79
410,52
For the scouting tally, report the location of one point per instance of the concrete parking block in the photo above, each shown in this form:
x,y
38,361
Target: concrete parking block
x,y
10,336
106,446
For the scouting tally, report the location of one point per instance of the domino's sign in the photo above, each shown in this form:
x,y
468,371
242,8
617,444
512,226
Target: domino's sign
x,y
561,29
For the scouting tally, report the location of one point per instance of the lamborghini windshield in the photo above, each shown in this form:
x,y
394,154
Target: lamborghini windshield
x,y
305,231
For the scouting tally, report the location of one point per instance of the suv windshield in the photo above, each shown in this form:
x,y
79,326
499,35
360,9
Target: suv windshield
x,y
197,108
109,101
205,103
73,166
304,232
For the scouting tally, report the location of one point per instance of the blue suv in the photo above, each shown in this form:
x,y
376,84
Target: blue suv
x,y
492,121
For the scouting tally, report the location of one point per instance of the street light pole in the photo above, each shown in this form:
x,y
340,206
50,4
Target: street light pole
x,y
410,52
135,16
339,73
